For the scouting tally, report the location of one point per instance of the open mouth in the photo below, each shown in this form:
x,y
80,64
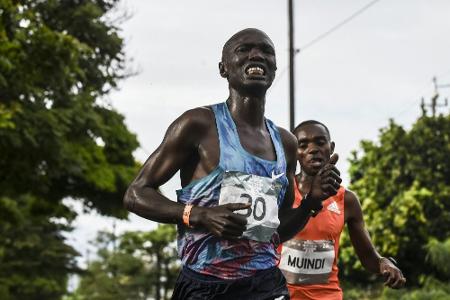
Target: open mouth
x,y
253,70
316,161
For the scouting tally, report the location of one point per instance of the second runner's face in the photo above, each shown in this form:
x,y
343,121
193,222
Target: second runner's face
x,y
314,148
250,61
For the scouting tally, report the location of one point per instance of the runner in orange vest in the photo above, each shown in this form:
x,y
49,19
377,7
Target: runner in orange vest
x,y
309,259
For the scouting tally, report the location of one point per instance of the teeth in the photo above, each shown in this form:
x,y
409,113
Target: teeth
x,y
255,71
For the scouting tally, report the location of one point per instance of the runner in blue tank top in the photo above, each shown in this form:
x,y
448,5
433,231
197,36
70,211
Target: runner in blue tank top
x,y
236,169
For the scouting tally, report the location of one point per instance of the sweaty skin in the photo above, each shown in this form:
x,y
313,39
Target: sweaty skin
x,y
314,150
191,146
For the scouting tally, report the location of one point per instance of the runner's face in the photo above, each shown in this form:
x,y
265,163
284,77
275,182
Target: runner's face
x,y
314,148
249,61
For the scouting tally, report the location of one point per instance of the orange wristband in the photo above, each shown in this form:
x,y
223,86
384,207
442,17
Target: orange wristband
x,y
187,214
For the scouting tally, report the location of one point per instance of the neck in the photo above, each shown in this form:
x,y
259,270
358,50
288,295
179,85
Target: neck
x,y
304,182
247,108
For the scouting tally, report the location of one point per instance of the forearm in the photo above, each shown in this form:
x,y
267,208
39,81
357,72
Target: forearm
x,y
371,260
148,203
367,254
292,221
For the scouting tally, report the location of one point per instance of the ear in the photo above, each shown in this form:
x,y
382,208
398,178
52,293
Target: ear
x,y
332,147
222,70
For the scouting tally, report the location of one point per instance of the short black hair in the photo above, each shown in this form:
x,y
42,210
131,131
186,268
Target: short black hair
x,y
311,122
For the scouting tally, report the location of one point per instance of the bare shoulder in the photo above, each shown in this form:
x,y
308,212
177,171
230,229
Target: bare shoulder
x,y
289,140
196,118
353,211
350,198
192,124
290,148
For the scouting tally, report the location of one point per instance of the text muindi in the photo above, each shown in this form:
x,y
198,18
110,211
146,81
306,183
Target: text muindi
x,y
306,263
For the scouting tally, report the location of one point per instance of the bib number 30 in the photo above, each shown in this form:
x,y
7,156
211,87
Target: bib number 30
x,y
257,207
262,195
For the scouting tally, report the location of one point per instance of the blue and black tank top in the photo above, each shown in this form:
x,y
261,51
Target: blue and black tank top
x,y
247,176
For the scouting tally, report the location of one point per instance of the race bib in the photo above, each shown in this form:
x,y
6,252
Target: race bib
x,y
307,262
262,193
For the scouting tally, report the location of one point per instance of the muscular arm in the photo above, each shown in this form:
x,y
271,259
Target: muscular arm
x,y
181,147
359,236
367,254
180,143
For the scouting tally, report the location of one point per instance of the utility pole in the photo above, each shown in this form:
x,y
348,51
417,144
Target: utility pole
x,y
114,237
291,65
114,250
88,253
435,97
434,100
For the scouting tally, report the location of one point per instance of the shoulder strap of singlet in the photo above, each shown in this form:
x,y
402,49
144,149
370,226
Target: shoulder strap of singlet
x,y
229,137
278,144
225,130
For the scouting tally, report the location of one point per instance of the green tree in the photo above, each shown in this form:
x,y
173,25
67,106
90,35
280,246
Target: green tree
x,y
33,255
140,266
59,136
438,255
6,116
403,182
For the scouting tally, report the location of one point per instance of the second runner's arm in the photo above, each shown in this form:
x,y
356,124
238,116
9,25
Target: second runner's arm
x,y
360,238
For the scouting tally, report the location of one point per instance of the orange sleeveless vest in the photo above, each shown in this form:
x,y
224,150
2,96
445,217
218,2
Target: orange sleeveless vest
x,y
309,260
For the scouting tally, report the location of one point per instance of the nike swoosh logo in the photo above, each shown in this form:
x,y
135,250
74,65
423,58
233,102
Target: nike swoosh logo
x,y
276,176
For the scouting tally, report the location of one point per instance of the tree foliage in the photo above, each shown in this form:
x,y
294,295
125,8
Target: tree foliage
x,y
58,59
33,255
438,254
142,265
403,182
59,137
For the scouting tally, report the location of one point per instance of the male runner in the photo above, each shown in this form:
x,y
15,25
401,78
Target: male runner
x,y
309,260
235,168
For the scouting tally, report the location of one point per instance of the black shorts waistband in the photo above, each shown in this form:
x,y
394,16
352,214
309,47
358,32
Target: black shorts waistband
x,y
209,278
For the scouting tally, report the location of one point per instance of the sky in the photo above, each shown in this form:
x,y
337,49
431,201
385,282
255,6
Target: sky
x,y
375,67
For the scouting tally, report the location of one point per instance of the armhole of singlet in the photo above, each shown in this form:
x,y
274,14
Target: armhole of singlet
x,y
216,112
219,164
277,143
297,195
342,190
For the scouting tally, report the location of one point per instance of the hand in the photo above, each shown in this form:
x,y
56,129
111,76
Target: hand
x,y
327,181
221,220
393,276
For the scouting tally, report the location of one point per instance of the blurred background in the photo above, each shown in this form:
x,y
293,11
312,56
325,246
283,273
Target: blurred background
x,y
88,89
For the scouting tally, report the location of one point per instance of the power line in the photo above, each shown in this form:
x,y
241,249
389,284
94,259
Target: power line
x,y
419,102
337,26
326,33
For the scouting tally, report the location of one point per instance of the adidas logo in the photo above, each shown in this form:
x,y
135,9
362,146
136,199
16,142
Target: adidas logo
x,y
334,207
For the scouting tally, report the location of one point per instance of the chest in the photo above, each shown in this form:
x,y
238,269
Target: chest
x,y
239,144
257,142
328,224
235,147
